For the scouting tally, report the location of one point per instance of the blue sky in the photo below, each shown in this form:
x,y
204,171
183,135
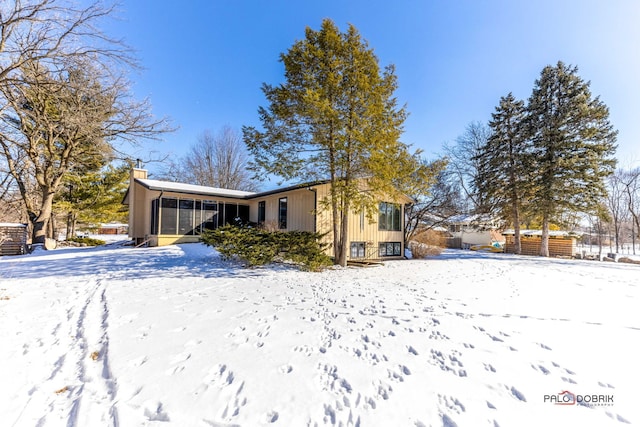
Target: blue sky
x,y
205,60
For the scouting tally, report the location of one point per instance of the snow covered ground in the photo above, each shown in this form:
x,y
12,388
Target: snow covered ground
x,y
174,336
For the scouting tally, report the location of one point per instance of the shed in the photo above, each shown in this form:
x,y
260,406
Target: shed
x,y
13,238
113,228
561,243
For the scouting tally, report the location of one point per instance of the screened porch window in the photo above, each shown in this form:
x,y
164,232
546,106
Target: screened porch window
x,y
185,217
209,211
168,216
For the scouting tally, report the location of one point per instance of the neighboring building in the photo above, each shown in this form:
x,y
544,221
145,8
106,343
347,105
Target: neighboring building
x,y
164,213
470,230
113,228
561,243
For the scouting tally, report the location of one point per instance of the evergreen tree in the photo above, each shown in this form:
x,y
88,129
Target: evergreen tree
x,y
94,197
502,168
573,145
334,117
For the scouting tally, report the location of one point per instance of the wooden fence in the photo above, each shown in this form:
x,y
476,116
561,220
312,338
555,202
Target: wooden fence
x,y
13,239
558,246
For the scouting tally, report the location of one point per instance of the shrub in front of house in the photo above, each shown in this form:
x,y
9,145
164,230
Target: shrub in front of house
x,y
254,246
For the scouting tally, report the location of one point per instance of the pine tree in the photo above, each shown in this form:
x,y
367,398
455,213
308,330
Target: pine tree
x,y
502,167
334,117
94,196
573,145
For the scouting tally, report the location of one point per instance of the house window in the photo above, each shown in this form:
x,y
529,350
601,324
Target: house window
x,y
220,214
154,216
209,211
390,217
262,212
358,249
185,217
168,216
230,213
243,214
282,213
197,217
390,249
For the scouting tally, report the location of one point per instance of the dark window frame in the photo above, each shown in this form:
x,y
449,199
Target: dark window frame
x,y
357,250
262,212
390,217
282,212
388,249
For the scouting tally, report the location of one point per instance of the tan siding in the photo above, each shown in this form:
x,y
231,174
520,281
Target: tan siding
x,y
359,231
300,209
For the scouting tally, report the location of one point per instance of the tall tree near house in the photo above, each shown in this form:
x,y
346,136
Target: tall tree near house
x,y
59,121
62,97
215,160
503,173
463,163
335,117
573,145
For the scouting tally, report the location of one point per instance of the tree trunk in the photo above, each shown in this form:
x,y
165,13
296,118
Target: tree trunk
x,y
544,240
517,245
342,260
40,221
337,245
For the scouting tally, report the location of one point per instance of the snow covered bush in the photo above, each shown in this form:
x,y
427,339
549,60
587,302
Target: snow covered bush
x,y
255,246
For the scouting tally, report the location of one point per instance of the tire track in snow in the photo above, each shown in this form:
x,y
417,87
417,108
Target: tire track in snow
x,y
94,400
80,389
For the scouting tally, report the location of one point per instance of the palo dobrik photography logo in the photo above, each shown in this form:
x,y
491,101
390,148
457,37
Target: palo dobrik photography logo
x,y
567,398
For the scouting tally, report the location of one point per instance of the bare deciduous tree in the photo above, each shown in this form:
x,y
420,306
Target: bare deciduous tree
x,y
632,189
216,160
463,161
65,103
617,204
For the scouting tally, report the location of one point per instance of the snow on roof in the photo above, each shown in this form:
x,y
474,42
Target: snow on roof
x,y
12,224
154,184
552,233
470,218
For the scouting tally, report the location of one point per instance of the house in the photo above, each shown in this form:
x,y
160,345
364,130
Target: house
x,y
469,230
164,213
561,243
